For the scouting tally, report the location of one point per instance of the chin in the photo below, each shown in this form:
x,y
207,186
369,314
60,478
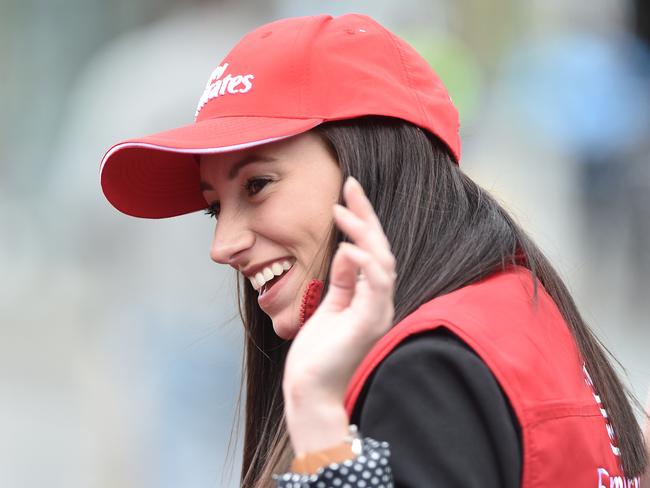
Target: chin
x,y
284,330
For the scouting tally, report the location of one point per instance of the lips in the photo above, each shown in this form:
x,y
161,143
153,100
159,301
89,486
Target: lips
x,y
272,297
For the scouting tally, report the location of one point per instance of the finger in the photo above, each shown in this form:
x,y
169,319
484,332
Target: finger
x,y
373,297
372,272
343,277
369,239
374,289
357,201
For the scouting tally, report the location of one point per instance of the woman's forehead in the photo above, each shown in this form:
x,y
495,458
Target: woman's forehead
x,y
229,164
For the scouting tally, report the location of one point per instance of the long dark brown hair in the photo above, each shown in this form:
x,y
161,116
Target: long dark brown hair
x,y
435,217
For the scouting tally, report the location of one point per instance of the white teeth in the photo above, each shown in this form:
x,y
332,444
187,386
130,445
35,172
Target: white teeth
x,y
268,273
259,277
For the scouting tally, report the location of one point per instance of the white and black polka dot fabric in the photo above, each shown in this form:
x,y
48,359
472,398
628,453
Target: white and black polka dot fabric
x,y
370,469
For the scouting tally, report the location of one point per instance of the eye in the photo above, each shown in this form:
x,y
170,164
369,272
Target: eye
x,y
213,210
255,185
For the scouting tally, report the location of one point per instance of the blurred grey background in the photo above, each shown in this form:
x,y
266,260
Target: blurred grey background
x,y
120,348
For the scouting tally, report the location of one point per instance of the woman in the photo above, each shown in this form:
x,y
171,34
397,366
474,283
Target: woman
x,y
380,286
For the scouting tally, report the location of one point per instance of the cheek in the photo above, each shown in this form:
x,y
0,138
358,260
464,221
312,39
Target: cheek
x,y
315,204
300,227
313,218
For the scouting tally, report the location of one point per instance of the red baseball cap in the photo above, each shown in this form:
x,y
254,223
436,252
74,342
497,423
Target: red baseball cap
x,y
280,80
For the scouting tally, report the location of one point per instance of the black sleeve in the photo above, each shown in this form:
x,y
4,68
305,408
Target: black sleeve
x,y
443,414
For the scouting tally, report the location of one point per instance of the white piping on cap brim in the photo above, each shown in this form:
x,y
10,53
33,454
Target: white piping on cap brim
x,y
209,150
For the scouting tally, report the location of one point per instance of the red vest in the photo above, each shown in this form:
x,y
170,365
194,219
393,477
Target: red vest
x,y
566,438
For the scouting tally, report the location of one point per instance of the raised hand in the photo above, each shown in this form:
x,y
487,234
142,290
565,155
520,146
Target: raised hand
x,y
357,310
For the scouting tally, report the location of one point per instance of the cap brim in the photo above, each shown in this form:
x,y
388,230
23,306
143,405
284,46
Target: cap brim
x,y
157,176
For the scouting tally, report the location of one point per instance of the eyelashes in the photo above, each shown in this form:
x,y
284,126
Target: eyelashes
x,y
212,211
252,187
254,182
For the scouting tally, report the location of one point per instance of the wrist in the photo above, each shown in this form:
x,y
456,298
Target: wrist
x,y
311,462
314,423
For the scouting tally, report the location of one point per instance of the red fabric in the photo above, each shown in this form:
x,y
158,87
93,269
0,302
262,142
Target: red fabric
x,y
530,351
310,301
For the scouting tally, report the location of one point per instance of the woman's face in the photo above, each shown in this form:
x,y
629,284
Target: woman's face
x,y
273,205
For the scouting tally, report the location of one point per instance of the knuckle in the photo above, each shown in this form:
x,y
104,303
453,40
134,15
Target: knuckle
x,y
364,225
388,261
385,284
366,259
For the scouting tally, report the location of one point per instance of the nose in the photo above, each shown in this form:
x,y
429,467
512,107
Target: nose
x,y
230,241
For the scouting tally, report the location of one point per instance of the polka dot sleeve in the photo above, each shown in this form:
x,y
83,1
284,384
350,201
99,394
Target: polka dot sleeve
x,y
370,469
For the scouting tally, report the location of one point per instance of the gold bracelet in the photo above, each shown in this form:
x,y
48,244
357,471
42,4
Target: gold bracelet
x,y
311,462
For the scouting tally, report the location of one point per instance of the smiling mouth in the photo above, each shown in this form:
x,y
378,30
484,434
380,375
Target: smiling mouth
x,y
269,284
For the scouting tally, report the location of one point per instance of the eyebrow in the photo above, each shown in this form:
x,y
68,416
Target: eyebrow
x,y
232,173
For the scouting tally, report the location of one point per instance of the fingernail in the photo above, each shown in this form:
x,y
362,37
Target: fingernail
x,y
353,181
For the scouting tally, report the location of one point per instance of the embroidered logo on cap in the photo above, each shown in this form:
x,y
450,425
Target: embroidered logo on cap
x,y
218,86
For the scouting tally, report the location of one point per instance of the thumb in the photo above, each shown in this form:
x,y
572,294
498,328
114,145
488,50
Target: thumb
x,y
343,279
